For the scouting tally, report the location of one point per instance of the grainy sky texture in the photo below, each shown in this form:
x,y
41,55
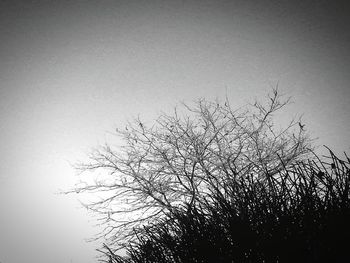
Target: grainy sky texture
x,y
70,71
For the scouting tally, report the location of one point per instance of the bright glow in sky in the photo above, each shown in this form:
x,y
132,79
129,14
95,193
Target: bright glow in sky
x,y
72,71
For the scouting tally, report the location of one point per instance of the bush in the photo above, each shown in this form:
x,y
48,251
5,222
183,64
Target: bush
x,y
301,214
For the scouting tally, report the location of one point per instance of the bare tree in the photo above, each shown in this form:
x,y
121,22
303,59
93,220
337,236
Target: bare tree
x,y
185,159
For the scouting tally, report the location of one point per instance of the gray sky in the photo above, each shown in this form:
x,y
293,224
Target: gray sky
x,y
71,71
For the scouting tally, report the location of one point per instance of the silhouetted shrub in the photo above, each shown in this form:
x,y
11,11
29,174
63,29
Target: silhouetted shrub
x,y
301,214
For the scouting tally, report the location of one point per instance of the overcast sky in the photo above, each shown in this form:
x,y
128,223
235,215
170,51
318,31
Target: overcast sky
x,y
72,71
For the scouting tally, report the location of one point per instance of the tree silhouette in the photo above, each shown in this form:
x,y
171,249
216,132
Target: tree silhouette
x,y
188,160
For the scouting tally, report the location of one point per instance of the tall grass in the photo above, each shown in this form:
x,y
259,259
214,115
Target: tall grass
x,y
301,214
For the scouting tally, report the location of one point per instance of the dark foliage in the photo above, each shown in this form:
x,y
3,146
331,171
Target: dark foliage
x,y
301,214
